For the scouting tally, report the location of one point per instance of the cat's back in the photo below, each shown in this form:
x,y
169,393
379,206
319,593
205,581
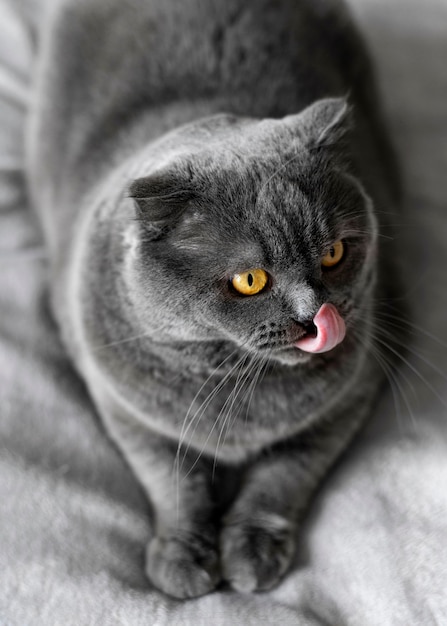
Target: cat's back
x,y
118,73
188,49
113,75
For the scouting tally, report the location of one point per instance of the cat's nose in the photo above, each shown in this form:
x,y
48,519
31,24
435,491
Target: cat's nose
x,y
304,328
309,328
304,303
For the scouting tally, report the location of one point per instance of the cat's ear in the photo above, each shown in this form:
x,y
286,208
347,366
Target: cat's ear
x,y
324,123
160,200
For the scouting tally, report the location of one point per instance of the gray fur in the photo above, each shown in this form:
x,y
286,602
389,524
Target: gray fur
x,y
174,144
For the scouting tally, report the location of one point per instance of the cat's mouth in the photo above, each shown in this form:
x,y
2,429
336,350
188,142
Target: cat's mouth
x,y
299,342
329,331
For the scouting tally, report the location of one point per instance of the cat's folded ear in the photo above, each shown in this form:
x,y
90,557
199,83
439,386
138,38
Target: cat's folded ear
x,y
160,200
324,123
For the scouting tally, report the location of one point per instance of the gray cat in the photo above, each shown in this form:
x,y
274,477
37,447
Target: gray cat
x,y
208,197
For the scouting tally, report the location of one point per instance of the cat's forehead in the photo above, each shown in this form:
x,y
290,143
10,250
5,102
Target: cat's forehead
x,y
249,214
246,225
233,177
262,192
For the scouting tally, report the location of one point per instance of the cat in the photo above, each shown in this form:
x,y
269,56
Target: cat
x,y
212,180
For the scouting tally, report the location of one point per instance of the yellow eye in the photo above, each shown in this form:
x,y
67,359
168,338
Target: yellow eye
x,y
334,255
251,282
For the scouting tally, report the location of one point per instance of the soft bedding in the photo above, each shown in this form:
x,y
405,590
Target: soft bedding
x,y
73,522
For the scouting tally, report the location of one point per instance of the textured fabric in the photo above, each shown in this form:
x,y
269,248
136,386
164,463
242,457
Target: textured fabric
x,y
73,521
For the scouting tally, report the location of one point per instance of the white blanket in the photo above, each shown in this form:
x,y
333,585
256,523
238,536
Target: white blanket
x,y
73,521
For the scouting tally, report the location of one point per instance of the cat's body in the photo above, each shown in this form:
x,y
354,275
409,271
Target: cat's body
x,y
170,352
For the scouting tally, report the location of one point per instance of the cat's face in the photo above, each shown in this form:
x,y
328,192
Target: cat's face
x,y
246,238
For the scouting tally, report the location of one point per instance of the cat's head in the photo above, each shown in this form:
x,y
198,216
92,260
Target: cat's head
x,y
247,228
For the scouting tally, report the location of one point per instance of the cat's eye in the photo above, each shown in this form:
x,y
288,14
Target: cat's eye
x,y
334,255
251,282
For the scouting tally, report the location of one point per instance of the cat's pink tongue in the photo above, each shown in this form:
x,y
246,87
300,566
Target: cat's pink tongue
x,y
331,331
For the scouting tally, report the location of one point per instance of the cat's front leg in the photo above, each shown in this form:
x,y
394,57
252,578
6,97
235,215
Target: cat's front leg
x,y
259,532
182,556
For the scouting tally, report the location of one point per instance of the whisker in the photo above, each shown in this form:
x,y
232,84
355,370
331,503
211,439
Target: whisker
x,y
202,408
120,341
253,368
413,326
353,233
133,338
257,367
262,369
186,425
227,408
413,369
215,423
413,351
392,378
378,332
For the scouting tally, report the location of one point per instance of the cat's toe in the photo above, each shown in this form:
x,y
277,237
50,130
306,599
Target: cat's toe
x,y
256,555
182,567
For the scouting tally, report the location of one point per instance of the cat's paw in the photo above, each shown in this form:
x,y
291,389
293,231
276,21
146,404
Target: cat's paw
x,y
183,566
256,553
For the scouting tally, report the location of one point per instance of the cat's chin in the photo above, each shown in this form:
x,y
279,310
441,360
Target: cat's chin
x,y
290,356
